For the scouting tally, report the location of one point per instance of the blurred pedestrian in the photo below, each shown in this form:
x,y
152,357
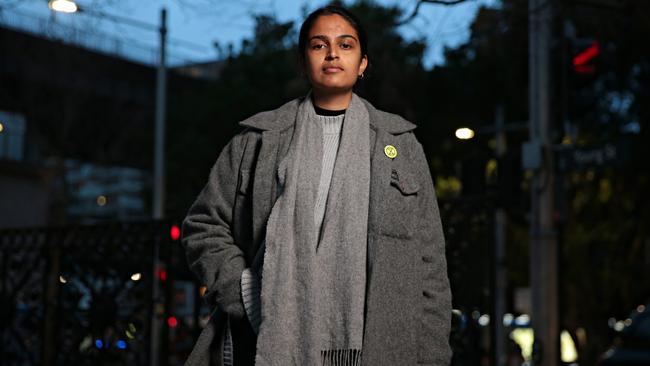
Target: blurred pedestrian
x,y
318,233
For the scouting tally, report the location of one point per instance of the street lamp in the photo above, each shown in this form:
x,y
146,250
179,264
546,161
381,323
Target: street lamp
x,y
64,6
464,133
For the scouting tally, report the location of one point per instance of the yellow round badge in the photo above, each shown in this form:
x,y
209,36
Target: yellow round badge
x,y
390,151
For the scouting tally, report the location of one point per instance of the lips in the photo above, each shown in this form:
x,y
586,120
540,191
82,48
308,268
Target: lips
x,y
332,69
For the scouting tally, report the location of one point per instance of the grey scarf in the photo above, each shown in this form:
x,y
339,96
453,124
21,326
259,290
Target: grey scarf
x,y
313,284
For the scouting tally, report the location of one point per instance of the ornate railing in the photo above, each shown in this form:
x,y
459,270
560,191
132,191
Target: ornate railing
x,y
82,295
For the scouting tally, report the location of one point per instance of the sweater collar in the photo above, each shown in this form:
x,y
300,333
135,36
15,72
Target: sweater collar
x,y
284,117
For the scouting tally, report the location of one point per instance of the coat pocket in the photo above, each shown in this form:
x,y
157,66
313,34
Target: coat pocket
x,y
400,210
404,182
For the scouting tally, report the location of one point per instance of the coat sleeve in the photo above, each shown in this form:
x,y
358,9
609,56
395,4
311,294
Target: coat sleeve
x,y
433,345
207,238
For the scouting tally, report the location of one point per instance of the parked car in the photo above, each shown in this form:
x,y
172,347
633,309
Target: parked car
x,y
632,346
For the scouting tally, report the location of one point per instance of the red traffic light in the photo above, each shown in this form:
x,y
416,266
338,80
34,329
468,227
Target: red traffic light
x,y
172,322
175,232
582,59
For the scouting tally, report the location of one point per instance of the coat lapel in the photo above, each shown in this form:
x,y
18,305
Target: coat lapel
x,y
264,183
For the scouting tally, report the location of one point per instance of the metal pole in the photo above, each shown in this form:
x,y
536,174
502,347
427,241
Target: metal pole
x,y
543,245
500,250
158,192
159,149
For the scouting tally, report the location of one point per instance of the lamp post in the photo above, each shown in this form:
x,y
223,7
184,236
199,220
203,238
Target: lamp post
x,y
500,278
159,149
159,187
69,6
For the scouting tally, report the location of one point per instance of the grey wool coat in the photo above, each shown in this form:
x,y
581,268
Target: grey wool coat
x,y
408,302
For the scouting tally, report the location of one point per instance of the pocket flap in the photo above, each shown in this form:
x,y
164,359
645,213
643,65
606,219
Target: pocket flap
x,y
405,182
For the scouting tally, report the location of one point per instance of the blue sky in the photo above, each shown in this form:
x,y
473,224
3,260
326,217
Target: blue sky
x,y
203,22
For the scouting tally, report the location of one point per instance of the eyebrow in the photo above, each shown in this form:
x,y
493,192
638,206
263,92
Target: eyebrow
x,y
325,38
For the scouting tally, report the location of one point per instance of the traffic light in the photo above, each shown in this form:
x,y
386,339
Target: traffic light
x,y
584,61
175,232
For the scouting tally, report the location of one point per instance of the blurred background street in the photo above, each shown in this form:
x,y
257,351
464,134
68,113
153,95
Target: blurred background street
x,y
534,116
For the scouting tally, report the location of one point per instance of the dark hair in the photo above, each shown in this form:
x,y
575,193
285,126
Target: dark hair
x,y
330,10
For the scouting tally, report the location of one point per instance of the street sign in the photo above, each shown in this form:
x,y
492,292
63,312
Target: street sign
x,y
572,158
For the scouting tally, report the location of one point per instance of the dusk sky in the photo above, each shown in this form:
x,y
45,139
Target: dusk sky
x,y
203,22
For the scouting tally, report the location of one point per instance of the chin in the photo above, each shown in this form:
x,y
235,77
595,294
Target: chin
x,y
333,87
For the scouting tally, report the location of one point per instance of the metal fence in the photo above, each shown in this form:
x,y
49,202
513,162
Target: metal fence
x,y
82,295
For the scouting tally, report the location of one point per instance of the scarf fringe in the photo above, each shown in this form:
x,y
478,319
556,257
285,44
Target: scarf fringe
x,y
341,357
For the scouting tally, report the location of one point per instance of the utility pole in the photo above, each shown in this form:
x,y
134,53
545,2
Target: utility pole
x,y
158,191
159,131
543,243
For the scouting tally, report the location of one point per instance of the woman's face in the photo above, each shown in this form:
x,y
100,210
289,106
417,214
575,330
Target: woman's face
x,y
333,60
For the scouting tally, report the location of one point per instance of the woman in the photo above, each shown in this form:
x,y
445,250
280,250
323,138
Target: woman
x,y
318,234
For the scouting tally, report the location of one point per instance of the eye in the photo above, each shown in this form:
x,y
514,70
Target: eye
x,y
318,46
346,46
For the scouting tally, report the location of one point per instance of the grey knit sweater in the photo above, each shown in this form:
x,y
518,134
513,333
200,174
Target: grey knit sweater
x,y
250,283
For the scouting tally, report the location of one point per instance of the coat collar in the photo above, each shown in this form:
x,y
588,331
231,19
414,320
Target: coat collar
x,y
284,117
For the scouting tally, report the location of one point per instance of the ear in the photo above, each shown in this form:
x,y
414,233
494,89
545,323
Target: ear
x,y
363,65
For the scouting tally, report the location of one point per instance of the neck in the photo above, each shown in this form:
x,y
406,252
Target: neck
x,y
331,101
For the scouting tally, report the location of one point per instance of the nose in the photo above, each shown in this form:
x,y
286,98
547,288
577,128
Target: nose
x,y
331,54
